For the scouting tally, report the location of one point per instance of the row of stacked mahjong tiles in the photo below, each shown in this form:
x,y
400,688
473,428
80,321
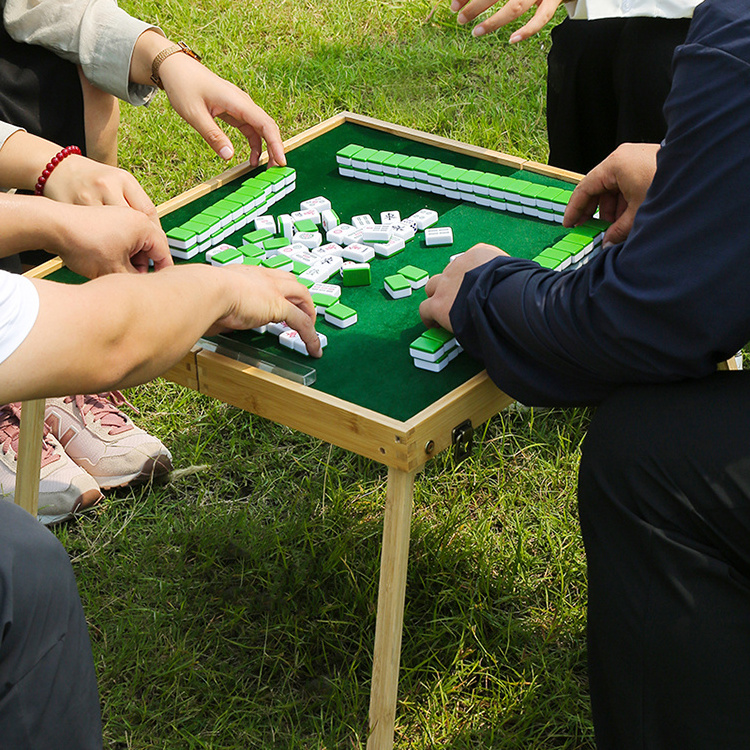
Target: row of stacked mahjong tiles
x,y
499,192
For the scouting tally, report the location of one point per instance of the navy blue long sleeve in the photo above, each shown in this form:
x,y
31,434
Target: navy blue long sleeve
x,y
674,299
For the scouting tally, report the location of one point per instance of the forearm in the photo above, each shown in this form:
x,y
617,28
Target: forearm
x,y
22,158
30,222
116,331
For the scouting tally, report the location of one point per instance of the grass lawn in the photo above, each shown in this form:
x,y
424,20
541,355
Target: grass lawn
x,y
235,607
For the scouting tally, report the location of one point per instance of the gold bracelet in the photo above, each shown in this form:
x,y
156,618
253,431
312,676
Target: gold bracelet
x,y
164,54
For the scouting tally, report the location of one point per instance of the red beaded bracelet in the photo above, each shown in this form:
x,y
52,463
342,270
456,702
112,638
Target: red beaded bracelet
x,y
56,159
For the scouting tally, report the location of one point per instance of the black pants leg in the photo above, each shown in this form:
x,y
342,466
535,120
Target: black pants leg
x,y
607,81
48,693
664,496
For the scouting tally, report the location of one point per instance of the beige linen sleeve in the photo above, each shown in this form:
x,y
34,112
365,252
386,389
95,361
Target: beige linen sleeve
x,y
96,34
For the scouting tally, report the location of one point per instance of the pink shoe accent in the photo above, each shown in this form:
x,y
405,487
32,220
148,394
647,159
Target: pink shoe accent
x,y
10,432
102,408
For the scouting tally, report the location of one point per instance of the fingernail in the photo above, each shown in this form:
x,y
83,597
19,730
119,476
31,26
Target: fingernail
x,y
515,38
477,31
607,244
226,153
455,6
461,18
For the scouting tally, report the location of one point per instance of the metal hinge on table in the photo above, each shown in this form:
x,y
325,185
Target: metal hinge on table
x,y
462,440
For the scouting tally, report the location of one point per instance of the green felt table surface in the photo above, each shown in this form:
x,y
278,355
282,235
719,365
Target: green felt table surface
x,y
369,363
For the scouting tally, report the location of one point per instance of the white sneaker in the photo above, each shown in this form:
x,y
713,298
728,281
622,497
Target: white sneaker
x,y
64,487
104,441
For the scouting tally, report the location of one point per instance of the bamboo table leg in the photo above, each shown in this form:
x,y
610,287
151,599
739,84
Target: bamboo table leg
x,y
30,455
390,617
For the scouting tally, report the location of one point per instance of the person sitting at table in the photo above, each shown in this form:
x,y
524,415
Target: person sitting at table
x,y
61,64
664,484
119,330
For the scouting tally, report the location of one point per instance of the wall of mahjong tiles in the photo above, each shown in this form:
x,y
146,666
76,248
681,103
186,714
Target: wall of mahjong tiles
x,y
369,363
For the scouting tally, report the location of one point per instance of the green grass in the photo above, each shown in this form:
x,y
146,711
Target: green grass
x,y
235,607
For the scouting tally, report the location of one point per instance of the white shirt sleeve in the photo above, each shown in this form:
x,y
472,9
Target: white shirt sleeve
x,y
6,130
595,9
95,34
19,307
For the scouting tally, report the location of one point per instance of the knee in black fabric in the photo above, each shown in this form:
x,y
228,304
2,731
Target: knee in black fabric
x,y
35,575
48,692
676,456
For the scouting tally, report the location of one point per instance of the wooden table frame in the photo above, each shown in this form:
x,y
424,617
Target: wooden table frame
x,y
404,447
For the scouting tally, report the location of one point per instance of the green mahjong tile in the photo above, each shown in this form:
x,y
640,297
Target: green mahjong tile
x,y
453,174
364,154
252,261
275,243
397,282
228,255
198,224
281,173
564,197
467,180
411,163
555,254
424,168
259,235
499,183
305,225
249,194
348,151
485,180
514,186
552,194
340,312
567,245
531,190
251,250
585,231
546,262
378,159
299,267
580,238
358,275
218,212
278,261
596,225
426,344
439,334
254,183
412,273
395,160
181,234
438,171
272,176
231,201
323,300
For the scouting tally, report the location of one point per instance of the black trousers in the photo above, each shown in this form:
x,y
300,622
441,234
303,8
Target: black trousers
x,y
607,81
664,497
48,693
